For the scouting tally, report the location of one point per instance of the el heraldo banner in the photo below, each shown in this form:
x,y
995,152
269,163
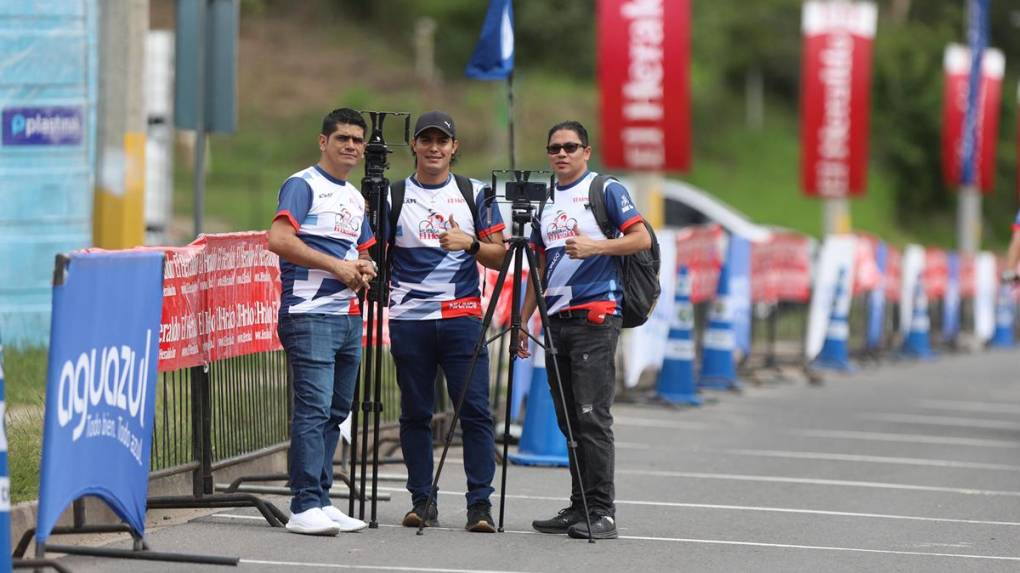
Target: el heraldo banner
x,y
835,97
954,110
644,63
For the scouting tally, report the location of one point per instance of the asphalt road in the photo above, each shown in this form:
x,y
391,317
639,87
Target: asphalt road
x,y
905,467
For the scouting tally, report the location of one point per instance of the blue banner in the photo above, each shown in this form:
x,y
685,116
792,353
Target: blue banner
x,y
951,300
54,125
100,384
494,54
5,480
739,260
876,299
977,38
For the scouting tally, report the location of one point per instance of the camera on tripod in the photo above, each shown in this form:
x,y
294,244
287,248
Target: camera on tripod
x,y
519,191
376,148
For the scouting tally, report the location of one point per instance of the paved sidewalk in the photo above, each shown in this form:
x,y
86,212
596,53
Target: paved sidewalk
x,y
906,467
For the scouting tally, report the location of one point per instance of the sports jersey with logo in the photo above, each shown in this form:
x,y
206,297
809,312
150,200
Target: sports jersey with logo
x,y
329,216
576,284
427,282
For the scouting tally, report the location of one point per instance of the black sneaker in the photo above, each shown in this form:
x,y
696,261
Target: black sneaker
x,y
479,519
561,523
602,527
415,517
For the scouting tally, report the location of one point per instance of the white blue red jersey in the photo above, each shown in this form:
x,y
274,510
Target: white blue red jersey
x,y
576,284
1016,222
329,216
426,282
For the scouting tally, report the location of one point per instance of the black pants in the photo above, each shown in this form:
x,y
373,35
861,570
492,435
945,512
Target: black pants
x,y
587,365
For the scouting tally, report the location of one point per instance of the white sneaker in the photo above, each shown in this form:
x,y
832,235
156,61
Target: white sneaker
x,y
346,523
312,522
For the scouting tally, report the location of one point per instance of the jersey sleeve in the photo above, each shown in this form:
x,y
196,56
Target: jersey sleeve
x,y
620,207
489,220
367,238
294,202
1016,222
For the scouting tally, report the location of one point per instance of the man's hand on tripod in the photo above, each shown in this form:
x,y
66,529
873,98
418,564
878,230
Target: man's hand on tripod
x,y
355,274
523,343
454,239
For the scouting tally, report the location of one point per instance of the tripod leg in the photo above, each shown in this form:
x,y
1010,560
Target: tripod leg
x,y
515,326
377,400
550,349
367,405
352,470
464,390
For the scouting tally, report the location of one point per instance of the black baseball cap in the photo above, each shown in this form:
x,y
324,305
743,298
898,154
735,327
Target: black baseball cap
x,y
435,120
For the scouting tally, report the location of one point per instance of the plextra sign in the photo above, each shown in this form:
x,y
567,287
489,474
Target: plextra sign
x,y
644,63
836,97
954,109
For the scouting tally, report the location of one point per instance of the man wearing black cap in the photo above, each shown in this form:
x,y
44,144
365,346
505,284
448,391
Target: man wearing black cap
x,y
439,228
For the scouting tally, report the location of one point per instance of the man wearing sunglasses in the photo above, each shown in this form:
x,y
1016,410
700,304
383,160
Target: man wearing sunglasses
x,y
584,296
441,227
322,237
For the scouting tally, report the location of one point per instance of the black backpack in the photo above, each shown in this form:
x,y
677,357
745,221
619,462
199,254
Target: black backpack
x,y
639,272
397,188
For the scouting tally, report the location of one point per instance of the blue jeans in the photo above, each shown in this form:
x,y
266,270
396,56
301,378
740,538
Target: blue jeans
x,y
419,347
324,352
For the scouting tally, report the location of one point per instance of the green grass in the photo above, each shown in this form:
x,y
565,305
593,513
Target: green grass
x,y
25,394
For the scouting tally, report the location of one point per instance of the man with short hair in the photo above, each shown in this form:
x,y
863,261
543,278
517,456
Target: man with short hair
x,y
442,228
584,298
322,237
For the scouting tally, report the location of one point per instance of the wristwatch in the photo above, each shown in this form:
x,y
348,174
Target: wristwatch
x,y
473,249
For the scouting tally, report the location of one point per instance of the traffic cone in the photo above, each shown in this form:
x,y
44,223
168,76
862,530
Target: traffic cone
x,y
542,443
916,343
717,369
835,354
1005,316
676,379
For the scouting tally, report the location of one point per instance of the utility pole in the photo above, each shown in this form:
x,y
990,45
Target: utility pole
x,y
119,218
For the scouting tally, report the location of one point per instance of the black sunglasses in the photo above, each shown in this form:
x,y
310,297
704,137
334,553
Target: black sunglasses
x,y
571,147
353,138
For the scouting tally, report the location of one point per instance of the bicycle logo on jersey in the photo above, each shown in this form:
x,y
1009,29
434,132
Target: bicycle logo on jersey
x,y
433,225
562,227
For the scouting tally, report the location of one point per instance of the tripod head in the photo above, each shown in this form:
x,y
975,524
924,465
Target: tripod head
x,y
374,184
522,194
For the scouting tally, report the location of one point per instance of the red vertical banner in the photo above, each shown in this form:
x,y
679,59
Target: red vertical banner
x,y
1018,141
836,97
954,108
644,81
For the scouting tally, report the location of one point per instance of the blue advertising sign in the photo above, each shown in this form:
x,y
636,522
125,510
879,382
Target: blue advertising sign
x,y
739,261
876,299
55,125
5,481
951,300
100,395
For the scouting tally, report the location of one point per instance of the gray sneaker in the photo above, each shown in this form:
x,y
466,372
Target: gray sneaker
x,y
602,527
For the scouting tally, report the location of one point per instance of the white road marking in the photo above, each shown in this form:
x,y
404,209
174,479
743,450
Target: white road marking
x,y
905,438
652,423
368,567
953,405
869,459
943,421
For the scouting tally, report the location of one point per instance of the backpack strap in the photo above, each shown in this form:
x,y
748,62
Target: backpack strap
x,y
597,203
397,189
467,189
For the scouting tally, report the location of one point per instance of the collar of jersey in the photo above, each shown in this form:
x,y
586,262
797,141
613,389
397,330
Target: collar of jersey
x,y
579,179
437,186
329,177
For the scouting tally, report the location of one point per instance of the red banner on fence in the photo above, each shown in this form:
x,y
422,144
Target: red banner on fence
x,y
221,296
644,63
936,273
836,97
781,268
867,276
700,249
954,108
968,276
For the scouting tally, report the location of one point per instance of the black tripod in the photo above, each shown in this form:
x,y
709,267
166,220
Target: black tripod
x,y
523,211
374,187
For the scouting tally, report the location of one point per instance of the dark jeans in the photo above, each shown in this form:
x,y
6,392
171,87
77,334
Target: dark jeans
x,y
324,352
587,365
419,347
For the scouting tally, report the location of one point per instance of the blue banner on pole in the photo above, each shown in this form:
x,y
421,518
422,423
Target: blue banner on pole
x,y
739,261
5,480
876,298
951,300
100,396
977,38
493,58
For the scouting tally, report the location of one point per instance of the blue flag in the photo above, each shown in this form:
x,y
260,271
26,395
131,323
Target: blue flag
x,y
977,37
494,54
